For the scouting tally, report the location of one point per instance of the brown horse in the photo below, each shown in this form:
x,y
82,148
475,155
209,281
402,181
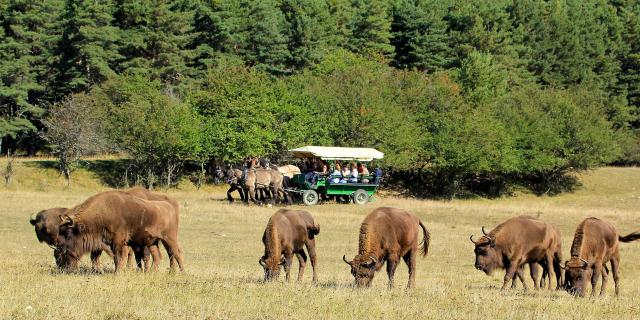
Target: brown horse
x,y
235,180
267,179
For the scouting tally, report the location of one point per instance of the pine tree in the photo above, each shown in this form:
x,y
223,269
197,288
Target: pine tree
x,y
266,40
87,48
212,33
371,28
419,37
310,31
27,31
155,36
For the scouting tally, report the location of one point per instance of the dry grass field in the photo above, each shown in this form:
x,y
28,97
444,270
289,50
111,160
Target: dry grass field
x,y
222,244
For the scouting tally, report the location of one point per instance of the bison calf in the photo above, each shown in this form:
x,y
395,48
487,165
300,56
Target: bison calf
x,y
594,244
285,235
387,234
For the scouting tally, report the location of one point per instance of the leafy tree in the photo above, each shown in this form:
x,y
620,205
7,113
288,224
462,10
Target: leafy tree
x,y
157,130
266,45
74,130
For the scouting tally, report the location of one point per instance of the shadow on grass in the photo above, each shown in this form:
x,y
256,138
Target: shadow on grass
x,y
110,172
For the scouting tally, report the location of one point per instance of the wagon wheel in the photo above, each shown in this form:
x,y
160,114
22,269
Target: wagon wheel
x,y
310,197
360,197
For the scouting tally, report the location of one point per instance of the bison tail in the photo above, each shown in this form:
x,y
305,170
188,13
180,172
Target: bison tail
x,y
427,239
630,237
313,230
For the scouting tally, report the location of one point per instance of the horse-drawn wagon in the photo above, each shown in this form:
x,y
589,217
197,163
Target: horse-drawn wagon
x,y
319,185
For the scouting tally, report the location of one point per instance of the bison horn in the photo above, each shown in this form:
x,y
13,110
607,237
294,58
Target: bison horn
x,y
344,258
471,238
484,232
261,262
584,261
373,259
33,218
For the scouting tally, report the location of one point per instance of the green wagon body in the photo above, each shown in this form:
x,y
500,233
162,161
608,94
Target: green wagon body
x,y
323,188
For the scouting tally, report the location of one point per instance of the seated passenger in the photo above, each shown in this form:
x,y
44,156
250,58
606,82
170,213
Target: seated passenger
x,y
346,173
336,175
354,173
364,173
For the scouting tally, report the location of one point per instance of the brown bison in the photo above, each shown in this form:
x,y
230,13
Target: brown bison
x,y
285,235
516,242
387,234
47,225
594,244
117,219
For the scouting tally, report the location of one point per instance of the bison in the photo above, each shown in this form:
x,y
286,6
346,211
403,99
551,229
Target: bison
x,y
516,242
594,244
285,235
117,219
47,225
387,234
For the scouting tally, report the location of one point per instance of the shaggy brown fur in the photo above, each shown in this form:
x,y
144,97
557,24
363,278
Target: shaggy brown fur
x,y
287,232
47,224
594,244
115,219
387,234
518,241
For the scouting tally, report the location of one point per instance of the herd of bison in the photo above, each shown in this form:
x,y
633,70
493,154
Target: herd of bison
x,y
130,225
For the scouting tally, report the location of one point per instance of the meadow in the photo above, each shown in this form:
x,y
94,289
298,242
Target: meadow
x,y
222,244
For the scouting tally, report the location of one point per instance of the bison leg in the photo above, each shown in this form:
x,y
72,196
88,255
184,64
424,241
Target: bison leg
x,y
557,258
171,245
519,275
615,265
511,273
302,261
597,269
410,260
311,248
95,261
154,251
119,255
549,268
288,257
392,264
533,271
605,278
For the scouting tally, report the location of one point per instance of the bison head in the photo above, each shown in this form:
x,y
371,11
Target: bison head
x,y
575,275
271,267
363,268
47,225
72,248
487,257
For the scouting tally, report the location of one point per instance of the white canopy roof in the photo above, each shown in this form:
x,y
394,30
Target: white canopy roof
x,y
337,153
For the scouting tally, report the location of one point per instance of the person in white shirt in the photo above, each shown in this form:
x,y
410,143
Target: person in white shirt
x,y
354,173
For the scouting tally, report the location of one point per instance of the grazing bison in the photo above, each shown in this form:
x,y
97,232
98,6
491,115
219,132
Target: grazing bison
x,y
117,219
516,242
387,234
285,235
47,225
594,244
